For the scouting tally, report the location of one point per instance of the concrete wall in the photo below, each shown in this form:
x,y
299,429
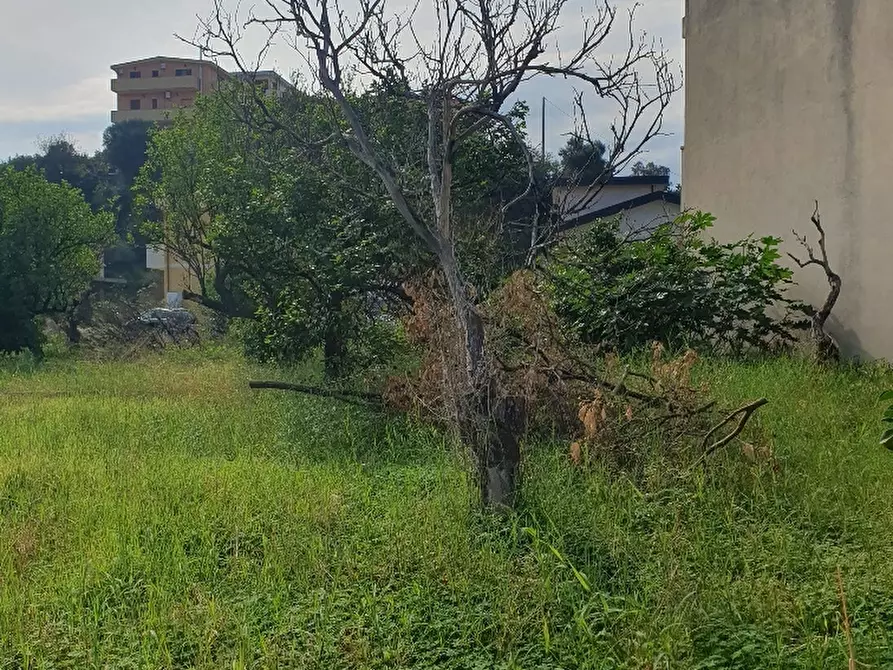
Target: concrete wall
x,y
791,101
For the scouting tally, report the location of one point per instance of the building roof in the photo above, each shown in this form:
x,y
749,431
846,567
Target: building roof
x,y
669,197
167,59
628,180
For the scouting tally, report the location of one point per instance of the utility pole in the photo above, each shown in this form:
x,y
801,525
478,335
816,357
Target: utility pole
x,y
543,133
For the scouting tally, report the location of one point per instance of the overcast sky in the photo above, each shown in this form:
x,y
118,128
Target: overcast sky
x,y
55,57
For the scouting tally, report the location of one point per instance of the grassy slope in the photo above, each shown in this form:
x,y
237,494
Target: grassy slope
x,y
160,515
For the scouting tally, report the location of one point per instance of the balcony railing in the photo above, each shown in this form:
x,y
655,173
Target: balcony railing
x,y
141,84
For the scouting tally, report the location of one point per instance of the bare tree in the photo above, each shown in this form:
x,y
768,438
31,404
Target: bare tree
x,y
465,69
826,349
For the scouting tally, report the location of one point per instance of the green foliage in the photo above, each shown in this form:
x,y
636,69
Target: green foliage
x,y
50,242
583,160
163,515
60,161
673,286
650,169
299,235
124,145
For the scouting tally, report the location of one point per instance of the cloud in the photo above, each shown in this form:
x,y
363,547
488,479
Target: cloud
x,y
57,54
85,98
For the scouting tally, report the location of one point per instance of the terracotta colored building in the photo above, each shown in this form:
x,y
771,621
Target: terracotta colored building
x,y
152,89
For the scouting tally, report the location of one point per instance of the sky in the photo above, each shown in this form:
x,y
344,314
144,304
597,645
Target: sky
x,y
55,58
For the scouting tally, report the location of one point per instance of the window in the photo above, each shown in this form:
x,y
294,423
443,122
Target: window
x,y
275,85
154,73
183,72
154,103
136,75
134,104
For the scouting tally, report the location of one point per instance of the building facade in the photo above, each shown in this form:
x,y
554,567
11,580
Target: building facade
x,y
640,202
788,102
152,89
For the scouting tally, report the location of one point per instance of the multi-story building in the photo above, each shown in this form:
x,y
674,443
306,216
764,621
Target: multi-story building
x,y
152,89
269,81
787,103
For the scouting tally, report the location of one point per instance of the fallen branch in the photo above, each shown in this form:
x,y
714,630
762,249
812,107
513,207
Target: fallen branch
x,y
745,413
356,397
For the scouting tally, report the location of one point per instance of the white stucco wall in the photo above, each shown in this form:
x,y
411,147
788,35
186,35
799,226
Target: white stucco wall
x,y
791,101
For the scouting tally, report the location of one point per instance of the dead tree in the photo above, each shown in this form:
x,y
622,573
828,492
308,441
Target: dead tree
x,y
826,349
462,60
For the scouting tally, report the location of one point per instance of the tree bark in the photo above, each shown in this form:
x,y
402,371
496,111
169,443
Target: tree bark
x,y
490,425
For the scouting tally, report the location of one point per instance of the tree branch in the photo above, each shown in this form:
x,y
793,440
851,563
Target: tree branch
x,y
355,397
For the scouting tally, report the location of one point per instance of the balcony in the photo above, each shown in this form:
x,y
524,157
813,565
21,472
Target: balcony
x,y
157,115
142,84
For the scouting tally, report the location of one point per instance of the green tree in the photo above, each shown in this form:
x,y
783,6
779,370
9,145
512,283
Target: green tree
x,y
304,238
674,287
50,241
650,169
60,160
583,160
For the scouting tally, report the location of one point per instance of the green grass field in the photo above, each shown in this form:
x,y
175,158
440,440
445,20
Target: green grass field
x,y
160,515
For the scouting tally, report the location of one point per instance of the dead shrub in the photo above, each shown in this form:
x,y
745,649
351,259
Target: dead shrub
x,y
607,411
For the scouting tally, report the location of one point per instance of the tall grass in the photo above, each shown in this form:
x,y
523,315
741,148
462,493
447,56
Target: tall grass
x,y
159,514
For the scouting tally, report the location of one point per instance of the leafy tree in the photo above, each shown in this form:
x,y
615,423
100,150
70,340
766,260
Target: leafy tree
x,y
583,160
124,148
305,240
268,235
673,287
50,242
650,169
124,145
60,161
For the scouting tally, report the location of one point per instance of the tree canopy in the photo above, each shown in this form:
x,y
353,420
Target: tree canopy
x,y
583,160
50,246
650,169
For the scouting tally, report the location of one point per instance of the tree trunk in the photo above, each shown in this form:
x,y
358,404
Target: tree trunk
x,y
71,328
334,347
490,425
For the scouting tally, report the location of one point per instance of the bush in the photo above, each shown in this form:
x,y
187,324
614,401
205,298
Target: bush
x,y
675,287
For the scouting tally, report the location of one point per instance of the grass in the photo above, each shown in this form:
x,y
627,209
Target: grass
x,y
158,514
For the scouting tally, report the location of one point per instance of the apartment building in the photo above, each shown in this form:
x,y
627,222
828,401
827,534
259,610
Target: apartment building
x,y
269,81
787,103
152,89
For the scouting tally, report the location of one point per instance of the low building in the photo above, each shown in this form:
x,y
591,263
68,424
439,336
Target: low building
x,y
640,202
